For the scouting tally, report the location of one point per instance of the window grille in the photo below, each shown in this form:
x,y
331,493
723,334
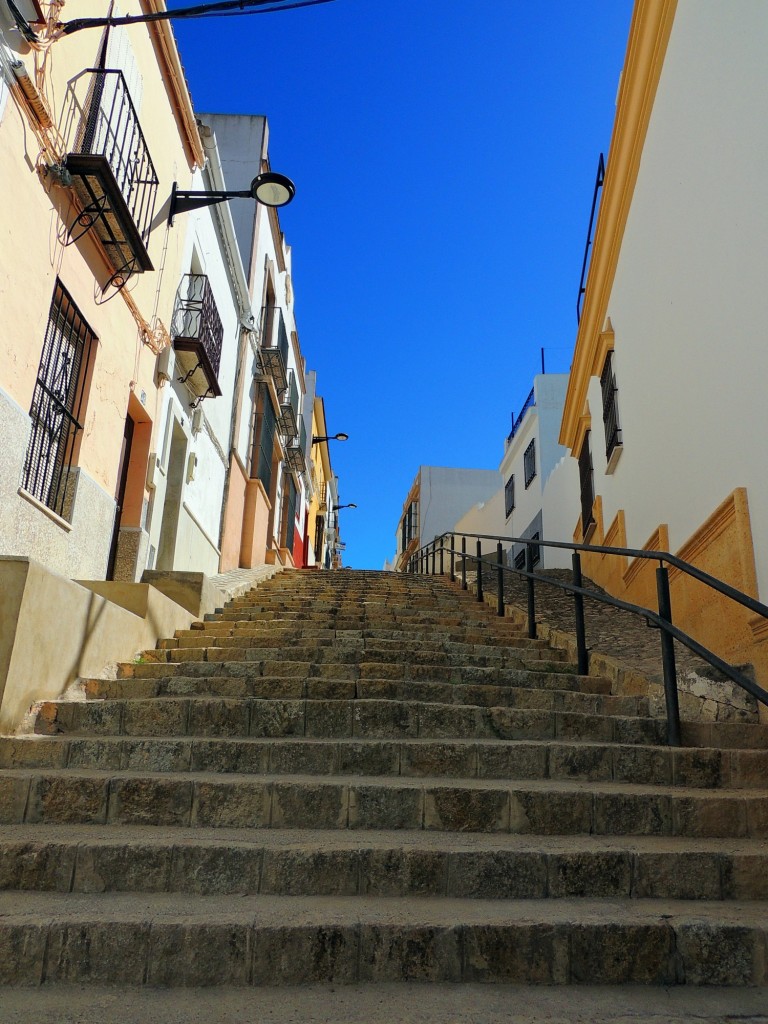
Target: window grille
x,y
509,496
586,484
610,407
289,514
535,550
264,425
529,462
57,402
319,535
520,559
410,525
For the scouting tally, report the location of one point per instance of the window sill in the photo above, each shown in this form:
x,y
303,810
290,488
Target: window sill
x,y
41,507
613,460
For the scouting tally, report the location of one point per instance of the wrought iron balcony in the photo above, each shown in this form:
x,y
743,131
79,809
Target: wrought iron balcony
x,y
274,346
289,408
197,334
112,173
295,452
530,400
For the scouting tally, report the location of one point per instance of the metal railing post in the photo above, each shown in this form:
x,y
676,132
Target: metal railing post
x,y
433,557
479,571
531,595
582,655
442,548
453,574
499,581
668,659
463,563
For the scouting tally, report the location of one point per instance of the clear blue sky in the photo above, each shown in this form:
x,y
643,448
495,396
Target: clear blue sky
x,y
444,155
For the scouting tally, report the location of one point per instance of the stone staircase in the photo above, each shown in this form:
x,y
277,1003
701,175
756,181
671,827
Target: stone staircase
x,y
365,777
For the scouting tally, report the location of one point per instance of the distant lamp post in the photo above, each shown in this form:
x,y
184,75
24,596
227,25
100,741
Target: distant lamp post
x,y
350,505
330,437
269,189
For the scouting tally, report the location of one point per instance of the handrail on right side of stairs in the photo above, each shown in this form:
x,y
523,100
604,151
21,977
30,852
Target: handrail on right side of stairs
x,y
430,560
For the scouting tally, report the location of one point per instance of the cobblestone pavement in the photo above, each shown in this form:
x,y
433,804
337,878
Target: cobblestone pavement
x,y
614,632
387,1004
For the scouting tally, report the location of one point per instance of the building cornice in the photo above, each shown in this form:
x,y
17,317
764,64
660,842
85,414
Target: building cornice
x,y
648,38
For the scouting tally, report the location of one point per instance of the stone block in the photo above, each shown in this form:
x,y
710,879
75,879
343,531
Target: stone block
x,y
580,761
143,801
457,809
644,765
444,760
569,726
369,758
701,769
302,955
523,954
446,721
497,874
329,718
310,872
617,954
748,769
592,873
67,799
712,954
95,754
33,753
630,813
709,816
247,757
218,717
683,875
221,869
548,812
198,954
304,757
391,807
745,876
159,717
309,805
514,760
38,865
13,798
403,872
382,719
513,724
93,717
409,953
241,804
155,755
274,718
331,689
130,867
105,953
22,953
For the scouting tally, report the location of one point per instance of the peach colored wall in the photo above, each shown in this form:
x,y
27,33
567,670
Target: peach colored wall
x,y
232,532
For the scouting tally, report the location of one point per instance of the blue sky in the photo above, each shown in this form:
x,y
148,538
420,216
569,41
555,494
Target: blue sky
x,y
444,155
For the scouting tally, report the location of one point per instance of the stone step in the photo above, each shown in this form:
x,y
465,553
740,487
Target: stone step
x,y
458,758
443,693
377,802
71,858
311,673
340,717
168,940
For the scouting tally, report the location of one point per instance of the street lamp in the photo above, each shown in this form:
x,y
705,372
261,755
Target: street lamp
x,y
350,505
331,437
268,188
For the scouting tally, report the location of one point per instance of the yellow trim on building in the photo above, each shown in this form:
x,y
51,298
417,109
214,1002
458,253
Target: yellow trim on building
x,y
648,37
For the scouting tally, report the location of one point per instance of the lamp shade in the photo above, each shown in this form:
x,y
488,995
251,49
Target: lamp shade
x,y
272,189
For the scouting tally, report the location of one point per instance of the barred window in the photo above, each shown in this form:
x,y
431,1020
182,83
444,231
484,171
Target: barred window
x,y
529,462
410,525
509,496
610,407
587,486
289,513
58,402
264,423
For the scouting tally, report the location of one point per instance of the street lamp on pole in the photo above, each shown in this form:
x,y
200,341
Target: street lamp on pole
x,y
330,437
268,188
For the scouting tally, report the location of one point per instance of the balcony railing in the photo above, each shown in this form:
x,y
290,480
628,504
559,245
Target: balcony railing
x,y
530,400
197,334
289,408
274,346
113,174
295,453
599,179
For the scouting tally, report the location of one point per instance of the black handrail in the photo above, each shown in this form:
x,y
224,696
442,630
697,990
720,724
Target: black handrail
x,y
661,619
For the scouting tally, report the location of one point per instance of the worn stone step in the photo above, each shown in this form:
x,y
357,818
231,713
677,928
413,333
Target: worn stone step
x,y
168,940
366,718
377,802
457,758
71,858
443,693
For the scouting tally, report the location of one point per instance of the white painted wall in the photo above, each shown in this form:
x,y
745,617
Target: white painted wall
x,y
447,494
689,304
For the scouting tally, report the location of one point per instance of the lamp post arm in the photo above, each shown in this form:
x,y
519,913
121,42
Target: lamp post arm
x,y
67,28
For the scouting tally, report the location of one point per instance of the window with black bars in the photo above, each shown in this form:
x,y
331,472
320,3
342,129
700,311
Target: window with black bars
x,y
58,402
319,535
265,421
509,496
610,407
586,484
529,462
289,513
